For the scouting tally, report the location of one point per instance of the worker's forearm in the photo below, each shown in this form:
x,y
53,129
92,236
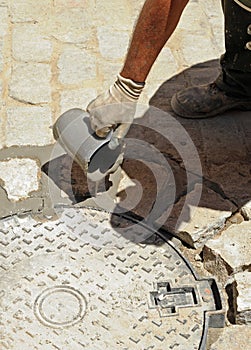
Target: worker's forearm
x,y
157,21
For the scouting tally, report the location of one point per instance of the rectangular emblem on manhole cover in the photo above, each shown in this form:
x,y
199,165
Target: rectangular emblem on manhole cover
x,y
168,300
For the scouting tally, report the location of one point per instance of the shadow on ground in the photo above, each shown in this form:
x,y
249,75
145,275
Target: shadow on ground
x,y
223,144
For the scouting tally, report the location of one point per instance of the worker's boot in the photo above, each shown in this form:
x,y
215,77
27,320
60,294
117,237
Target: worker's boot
x,y
232,89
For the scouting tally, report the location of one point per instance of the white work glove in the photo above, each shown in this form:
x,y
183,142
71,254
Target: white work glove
x,y
115,109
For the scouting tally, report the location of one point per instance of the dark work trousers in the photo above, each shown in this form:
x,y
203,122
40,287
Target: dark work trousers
x,y
235,78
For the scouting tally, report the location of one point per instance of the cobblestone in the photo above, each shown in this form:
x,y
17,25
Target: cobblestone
x,y
1,92
3,21
76,98
115,13
1,55
30,133
71,25
2,134
76,66
113,44
28,44
25,11
30,83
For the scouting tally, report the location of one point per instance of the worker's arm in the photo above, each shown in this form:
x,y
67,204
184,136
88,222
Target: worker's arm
x,y
156,22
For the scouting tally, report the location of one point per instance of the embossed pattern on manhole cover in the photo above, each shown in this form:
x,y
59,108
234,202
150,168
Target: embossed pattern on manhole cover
x,y
80,282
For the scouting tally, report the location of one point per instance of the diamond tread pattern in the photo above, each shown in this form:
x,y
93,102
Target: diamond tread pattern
x,y
76,282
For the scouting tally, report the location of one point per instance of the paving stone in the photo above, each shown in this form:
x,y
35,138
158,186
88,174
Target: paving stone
x,y
24,10
28,44
72,3
241,294
71,25
30,82
1,93
219,133
76,66
2,136
198,45
201,218
4,19
246,211
113,44
1,55
151,182
229,253
217,29
77,98
19,177
28,126
194,17
109,71
163,69
168,135
115,13
234,338
245,126
233,179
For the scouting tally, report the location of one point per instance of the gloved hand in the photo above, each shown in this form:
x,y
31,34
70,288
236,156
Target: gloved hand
x,y
115,109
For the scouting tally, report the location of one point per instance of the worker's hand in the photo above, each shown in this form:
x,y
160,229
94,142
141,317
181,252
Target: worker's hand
x,y
115,109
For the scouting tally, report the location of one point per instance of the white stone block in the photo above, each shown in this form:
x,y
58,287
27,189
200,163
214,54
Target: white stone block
x,y
4,17
246,211
113,43
31,83
114,13
28,126
29,44
19,177
76,66
2,117
28,10
243,280
230,252
76,98
1,55
71,25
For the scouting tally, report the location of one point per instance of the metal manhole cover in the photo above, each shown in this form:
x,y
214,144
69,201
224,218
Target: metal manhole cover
x,y
78,282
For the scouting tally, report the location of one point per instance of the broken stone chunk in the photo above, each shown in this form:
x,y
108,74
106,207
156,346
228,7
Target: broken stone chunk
x,y
246,211
19,177
234,338
230,253
199,216
239,292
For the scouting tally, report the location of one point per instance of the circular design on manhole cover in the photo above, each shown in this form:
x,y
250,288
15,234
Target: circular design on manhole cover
x,y
60,306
